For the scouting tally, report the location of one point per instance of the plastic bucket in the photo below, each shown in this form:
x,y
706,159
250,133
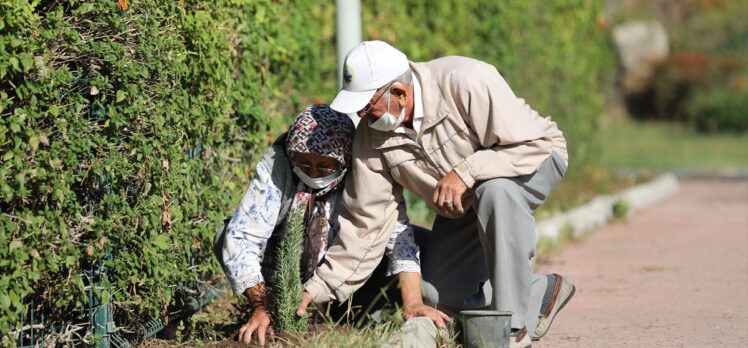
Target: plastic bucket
x,y
486,328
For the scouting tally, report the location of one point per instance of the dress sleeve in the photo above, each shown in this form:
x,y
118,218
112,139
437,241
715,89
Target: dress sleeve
x,y
402,251
249,230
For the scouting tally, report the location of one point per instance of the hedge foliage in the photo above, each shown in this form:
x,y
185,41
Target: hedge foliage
x,y
555,54
552,53
130,133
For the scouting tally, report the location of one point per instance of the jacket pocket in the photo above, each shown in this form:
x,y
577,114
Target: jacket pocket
x,y
395,156
410,168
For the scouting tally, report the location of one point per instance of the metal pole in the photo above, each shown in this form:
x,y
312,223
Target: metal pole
x,y
348,13
348,16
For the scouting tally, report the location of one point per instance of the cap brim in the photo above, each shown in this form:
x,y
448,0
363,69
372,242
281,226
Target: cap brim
x,y
351,102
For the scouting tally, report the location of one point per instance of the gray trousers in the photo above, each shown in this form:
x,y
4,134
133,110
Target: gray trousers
x,y
484,259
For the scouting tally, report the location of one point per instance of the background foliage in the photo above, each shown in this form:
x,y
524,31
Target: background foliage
x,y
704,81
130,133
554,54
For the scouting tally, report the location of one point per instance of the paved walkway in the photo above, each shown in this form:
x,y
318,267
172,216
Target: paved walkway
x,y
673,275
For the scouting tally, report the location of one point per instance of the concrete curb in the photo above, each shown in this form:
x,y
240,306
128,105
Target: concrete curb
x,y
689,174
599,211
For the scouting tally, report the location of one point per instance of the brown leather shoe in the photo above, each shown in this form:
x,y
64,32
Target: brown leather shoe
x,y
520,339
563,290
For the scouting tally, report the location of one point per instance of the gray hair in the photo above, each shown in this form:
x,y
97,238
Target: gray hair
x,y
406,78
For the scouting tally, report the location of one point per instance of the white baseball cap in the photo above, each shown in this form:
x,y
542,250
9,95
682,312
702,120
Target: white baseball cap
x,y
367,67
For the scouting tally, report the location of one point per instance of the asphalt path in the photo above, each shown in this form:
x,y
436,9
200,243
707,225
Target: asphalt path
x,y
672,275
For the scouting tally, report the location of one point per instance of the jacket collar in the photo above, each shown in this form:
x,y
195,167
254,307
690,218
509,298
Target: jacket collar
x,y
434,105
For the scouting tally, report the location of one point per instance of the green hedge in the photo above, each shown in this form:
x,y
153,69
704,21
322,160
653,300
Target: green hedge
x,y
132,132
552,53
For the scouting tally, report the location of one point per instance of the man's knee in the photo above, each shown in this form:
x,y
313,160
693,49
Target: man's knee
x,y
498,192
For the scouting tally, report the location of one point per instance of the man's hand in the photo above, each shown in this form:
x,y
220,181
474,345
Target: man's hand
x,y
259,321
448,195
306,299
410,289
422,310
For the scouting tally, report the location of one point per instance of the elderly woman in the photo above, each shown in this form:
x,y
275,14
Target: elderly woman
x,y
304,167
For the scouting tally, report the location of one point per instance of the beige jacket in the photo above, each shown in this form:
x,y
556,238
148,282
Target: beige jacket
x,y
473,124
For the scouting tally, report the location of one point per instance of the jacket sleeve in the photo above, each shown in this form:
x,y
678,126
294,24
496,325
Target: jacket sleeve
x,y
511,134
368,214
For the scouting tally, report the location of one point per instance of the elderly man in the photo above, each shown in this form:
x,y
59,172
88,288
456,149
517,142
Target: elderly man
x,y
451,131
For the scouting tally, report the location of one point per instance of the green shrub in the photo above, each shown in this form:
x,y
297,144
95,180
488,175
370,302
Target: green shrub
x,y
701,81
620,209
720,111
130,133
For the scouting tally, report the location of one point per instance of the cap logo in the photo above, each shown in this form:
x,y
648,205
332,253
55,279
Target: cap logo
x,y
347,74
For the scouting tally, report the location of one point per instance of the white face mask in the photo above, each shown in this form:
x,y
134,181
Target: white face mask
x,y
388,122
315,183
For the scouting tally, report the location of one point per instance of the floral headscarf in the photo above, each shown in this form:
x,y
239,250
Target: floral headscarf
x,y
322,131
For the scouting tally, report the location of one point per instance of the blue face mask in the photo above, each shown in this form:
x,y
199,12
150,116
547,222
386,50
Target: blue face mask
x,y
315,183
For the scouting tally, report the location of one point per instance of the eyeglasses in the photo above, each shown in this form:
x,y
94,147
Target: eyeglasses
x,y
326,171
370,105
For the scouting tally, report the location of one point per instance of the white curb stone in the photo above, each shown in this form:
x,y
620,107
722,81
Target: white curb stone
x,y
599,211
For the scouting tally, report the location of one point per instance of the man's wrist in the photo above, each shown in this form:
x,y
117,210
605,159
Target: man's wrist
x,y
411,299
463,171
410,288
318,290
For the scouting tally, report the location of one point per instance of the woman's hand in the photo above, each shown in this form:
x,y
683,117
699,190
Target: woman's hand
x,y
260,322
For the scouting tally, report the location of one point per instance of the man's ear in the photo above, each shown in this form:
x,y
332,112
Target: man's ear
x,y
400,91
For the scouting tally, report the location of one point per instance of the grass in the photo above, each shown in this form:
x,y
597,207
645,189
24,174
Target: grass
x,y
218,324
627,145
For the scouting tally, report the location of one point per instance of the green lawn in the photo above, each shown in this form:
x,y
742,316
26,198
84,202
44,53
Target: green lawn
x,y
661,146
